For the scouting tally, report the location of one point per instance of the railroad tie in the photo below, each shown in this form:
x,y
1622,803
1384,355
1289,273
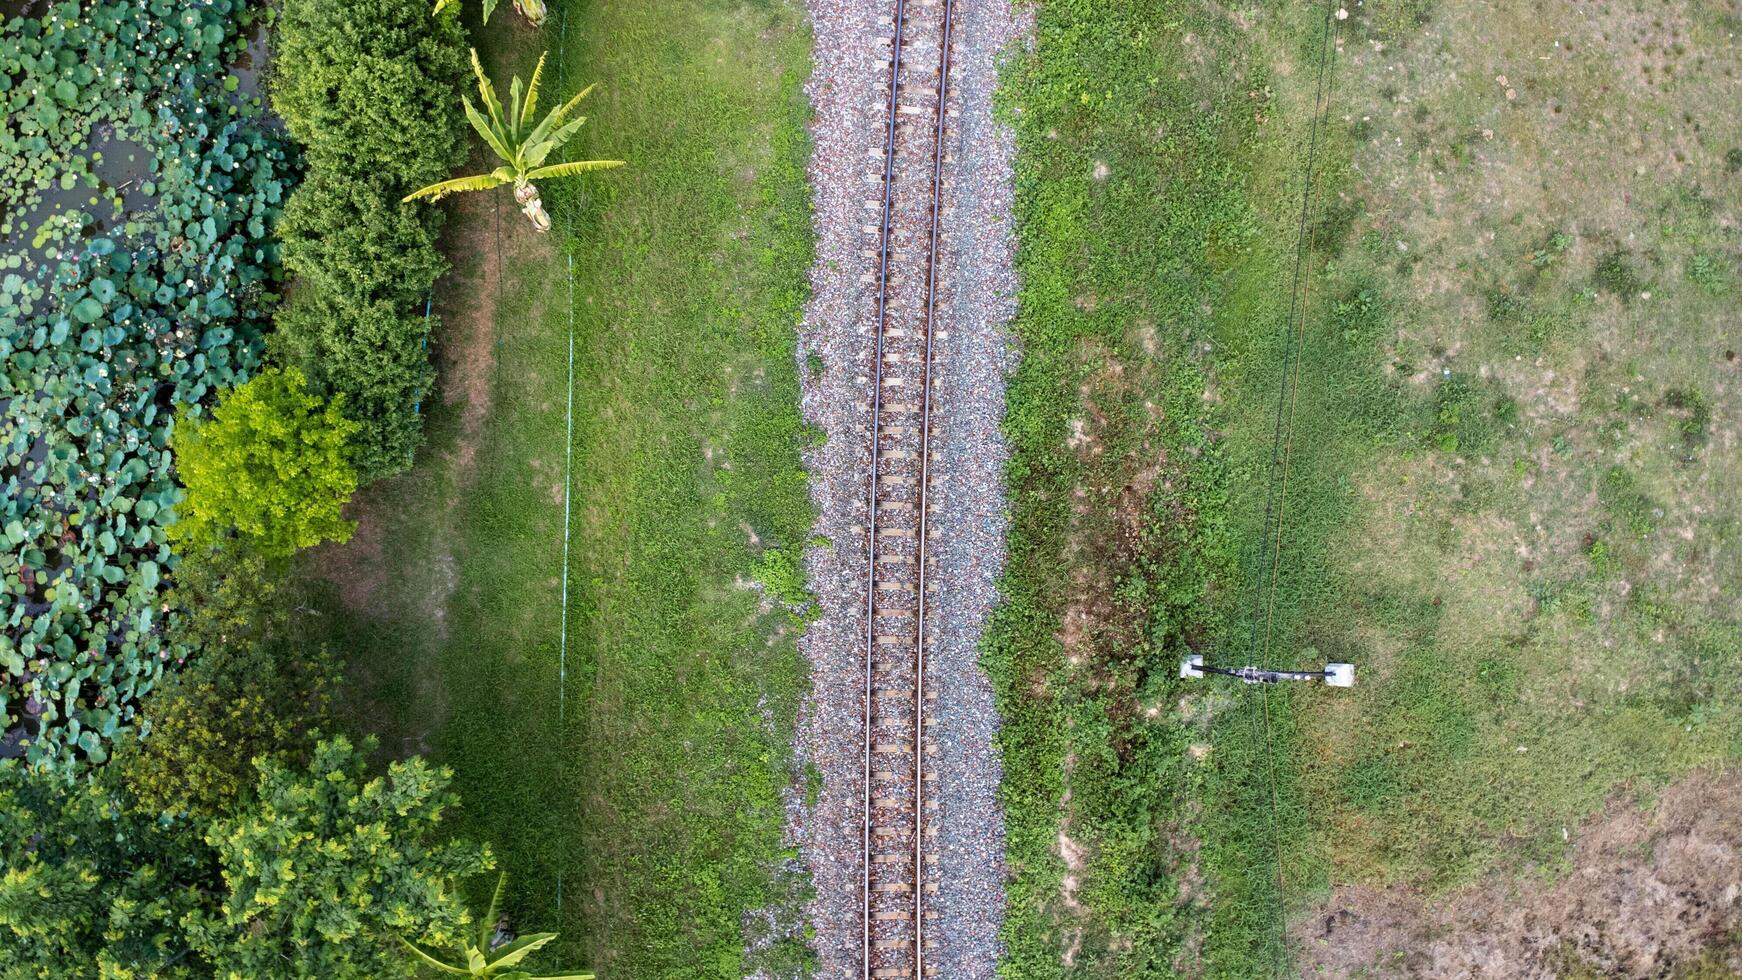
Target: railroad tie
x,y
891,943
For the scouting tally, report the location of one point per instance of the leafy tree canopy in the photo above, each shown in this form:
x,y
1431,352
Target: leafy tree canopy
x,y
271,466
329,862
314,875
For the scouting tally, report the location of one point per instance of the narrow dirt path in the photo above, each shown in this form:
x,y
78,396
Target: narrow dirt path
x,y
975,298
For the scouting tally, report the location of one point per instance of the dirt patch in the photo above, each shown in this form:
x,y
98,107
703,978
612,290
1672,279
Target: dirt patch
x,y
467,349
356,566
1651,890
1076,859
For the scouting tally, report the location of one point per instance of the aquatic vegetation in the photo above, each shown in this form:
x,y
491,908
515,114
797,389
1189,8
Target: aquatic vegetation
x,y
110,329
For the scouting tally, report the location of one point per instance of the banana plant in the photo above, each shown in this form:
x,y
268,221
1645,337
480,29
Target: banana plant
x,y
480,961
533,10
522,146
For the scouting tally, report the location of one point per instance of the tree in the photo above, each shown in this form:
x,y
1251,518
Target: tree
x,y
271,467
522,146
483,961
328,865
312,874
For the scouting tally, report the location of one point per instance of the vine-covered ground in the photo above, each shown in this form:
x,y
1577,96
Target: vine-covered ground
x,y
653,786
1516,390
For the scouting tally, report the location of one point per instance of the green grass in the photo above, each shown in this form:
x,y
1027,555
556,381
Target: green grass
x,y
1502,497
1120,484
656,792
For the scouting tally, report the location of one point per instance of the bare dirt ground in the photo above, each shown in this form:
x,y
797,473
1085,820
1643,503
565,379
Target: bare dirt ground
x,y
466,348
1651,891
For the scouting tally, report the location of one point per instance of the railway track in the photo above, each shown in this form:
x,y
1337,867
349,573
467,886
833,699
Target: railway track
x,y
899,859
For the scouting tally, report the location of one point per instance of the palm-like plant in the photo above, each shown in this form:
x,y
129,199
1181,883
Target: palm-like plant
x,y
532,10
496,964
521,145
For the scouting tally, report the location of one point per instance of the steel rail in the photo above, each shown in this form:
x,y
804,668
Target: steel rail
x,y
931,286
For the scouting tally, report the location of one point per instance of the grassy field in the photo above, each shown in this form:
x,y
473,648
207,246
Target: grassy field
x,y
651,786
1534,558
1509,416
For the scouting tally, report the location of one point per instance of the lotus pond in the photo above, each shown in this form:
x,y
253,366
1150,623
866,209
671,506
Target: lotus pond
x,y
139,185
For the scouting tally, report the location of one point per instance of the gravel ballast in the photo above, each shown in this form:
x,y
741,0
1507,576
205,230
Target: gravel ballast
x,y
973,354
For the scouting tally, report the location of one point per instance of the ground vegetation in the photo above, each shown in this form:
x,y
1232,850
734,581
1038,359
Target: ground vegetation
x,y
633,760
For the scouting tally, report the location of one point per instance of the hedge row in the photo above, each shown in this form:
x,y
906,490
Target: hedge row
x,y
368,87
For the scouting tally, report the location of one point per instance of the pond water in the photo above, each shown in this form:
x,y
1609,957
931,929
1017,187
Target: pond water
x,y
120,169
252,63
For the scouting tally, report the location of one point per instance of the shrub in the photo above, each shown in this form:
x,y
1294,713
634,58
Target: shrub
x,y
372,356
220,712
366,88
1708,273
246,693
387,251
271,467
227,597
1615,275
